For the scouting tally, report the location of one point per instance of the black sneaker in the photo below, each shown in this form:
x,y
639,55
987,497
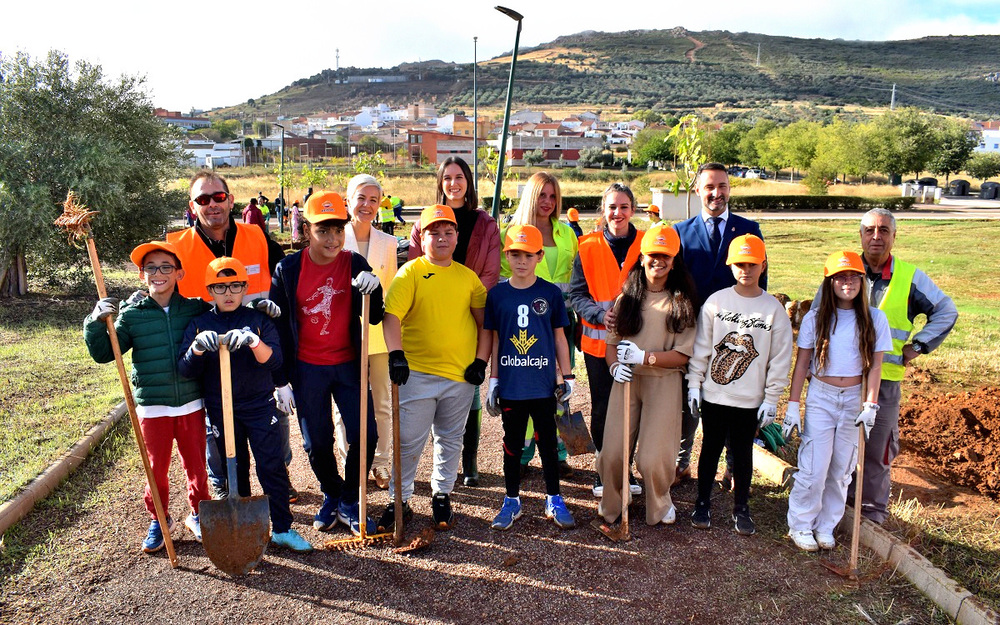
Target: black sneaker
x,y
387,522
702,516
444,518
634,487
742,522
598,489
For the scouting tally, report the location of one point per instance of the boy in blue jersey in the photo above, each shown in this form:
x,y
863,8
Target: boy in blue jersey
x,y
523,315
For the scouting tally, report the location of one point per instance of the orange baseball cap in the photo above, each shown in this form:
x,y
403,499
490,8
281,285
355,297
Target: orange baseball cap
x,y
524,237
573,214
660,239
433,214
842,261
139,253
325,206
653,208
748,248
224,262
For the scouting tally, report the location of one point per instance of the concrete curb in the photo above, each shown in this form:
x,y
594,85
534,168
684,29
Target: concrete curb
x,y
957,602
17,508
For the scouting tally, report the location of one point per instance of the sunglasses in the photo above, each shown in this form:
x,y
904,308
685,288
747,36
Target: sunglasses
x,y
151,270
232,287
205,198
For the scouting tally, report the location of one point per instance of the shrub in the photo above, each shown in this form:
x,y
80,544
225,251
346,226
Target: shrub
x,y
818,203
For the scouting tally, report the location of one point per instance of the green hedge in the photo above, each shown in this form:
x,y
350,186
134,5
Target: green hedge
x,y
757,203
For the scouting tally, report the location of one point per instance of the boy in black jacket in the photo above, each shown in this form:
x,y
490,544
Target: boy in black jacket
x,y
256,352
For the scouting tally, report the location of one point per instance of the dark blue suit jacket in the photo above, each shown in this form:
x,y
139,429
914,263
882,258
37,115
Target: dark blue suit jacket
x,y
712,274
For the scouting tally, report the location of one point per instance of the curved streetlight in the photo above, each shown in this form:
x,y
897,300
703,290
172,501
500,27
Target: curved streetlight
x,y
517,17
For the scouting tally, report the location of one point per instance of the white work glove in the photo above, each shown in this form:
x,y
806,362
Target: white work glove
x,y
206,341
493,397
235,339
267,307
106,306
792,421
366,282
694,401
285,399
565,390
867,418
136,297
621,373
766,414
630,354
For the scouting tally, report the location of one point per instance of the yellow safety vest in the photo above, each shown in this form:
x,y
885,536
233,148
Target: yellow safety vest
x,y
567,246
385,213
894,304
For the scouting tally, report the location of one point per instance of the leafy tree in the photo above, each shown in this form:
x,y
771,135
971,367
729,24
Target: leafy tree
x,y
371,164
592,156
796,144
534,157
900,142
748,145
955,143
983,165
647,117
66,127
689,144
652,145
261,128
228,129
372,144
724,144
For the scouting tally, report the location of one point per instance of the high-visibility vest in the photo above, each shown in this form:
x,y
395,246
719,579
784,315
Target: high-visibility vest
x,y
604,281
385,212
567,246
895,302
250,248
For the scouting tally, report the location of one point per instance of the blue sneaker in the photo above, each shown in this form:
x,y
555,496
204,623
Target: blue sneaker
x,y
326,518
193,523
291,540
555,509
348,513
154,538
509,512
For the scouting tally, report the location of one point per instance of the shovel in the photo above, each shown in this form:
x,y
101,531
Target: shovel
x,y
572,429
234,530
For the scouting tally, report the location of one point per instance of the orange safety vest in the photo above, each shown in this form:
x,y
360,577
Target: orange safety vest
x,y
250,248
604,281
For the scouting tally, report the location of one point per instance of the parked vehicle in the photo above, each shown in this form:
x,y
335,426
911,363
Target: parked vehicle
x,y
755,172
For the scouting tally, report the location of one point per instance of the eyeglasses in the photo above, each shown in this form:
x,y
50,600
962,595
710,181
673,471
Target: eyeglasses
x,y
847,277
232,287
205,198
151,270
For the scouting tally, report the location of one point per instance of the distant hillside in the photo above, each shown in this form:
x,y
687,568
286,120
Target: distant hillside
x,y
676,70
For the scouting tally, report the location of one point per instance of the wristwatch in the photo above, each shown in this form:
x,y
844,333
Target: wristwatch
x,y
651,358
919,347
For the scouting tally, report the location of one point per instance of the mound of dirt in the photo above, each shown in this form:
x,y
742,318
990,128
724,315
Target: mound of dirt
x,y
955,432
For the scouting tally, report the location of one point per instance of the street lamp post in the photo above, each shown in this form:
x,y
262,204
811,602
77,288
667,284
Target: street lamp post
x,y
517,17
475,117
281,177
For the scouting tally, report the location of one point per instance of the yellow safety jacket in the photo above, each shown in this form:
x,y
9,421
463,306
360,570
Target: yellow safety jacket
x,y
385,212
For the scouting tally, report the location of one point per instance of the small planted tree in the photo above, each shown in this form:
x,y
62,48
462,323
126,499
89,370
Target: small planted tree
x,y
689,144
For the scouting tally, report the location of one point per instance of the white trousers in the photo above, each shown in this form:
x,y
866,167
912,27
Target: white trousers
x,y
828,454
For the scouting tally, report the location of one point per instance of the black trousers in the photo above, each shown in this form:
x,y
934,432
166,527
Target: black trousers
x,y
739,425
600,390
515,423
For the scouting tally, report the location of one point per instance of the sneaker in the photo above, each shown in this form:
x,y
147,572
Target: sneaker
x,y
194,524
154,537
565,470
219,491
634,487
742,522
349,513
803,539
326,518
825,541
598,489
702,516
555,509
670,517
444,518
291,540
387,522
509,512
293,495
381,475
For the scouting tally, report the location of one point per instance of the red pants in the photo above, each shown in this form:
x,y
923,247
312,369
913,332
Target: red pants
x,y
188,430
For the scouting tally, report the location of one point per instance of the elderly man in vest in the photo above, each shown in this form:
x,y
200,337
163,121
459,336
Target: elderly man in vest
x,y
902,292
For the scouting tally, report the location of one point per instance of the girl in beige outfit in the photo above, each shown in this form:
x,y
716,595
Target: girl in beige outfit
x,y
649,346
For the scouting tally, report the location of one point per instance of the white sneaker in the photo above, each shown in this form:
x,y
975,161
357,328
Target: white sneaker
x,y
670,517
825,541
804,540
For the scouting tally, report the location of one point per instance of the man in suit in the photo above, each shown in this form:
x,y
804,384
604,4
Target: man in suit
x,y
705,238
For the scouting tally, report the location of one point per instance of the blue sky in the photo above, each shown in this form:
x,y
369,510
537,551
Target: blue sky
x,y
218,53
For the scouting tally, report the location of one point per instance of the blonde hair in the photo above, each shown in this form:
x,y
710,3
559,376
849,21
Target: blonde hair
x,y
526,208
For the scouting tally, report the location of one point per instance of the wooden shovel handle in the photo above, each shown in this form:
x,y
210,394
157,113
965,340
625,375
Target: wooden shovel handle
x,y
366,303
397,470
626,418
226,383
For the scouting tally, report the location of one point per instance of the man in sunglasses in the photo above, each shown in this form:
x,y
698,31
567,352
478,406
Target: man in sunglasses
x,y
217,234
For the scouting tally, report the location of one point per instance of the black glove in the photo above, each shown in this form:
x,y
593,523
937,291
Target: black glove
x,y
399,369
475,374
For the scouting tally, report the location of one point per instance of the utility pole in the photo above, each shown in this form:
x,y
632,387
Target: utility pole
x,y
892,101
758,54
475,117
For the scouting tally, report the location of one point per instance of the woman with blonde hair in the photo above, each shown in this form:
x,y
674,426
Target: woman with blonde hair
x,y
541,206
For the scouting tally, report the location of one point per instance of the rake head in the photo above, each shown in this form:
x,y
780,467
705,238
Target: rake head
x,y
356,542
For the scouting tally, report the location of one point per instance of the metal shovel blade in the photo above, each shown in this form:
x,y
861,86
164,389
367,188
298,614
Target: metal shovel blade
x,y
235,532
573,431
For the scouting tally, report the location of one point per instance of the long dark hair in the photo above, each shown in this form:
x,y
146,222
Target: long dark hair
x,y
826,324
471,199
680,306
